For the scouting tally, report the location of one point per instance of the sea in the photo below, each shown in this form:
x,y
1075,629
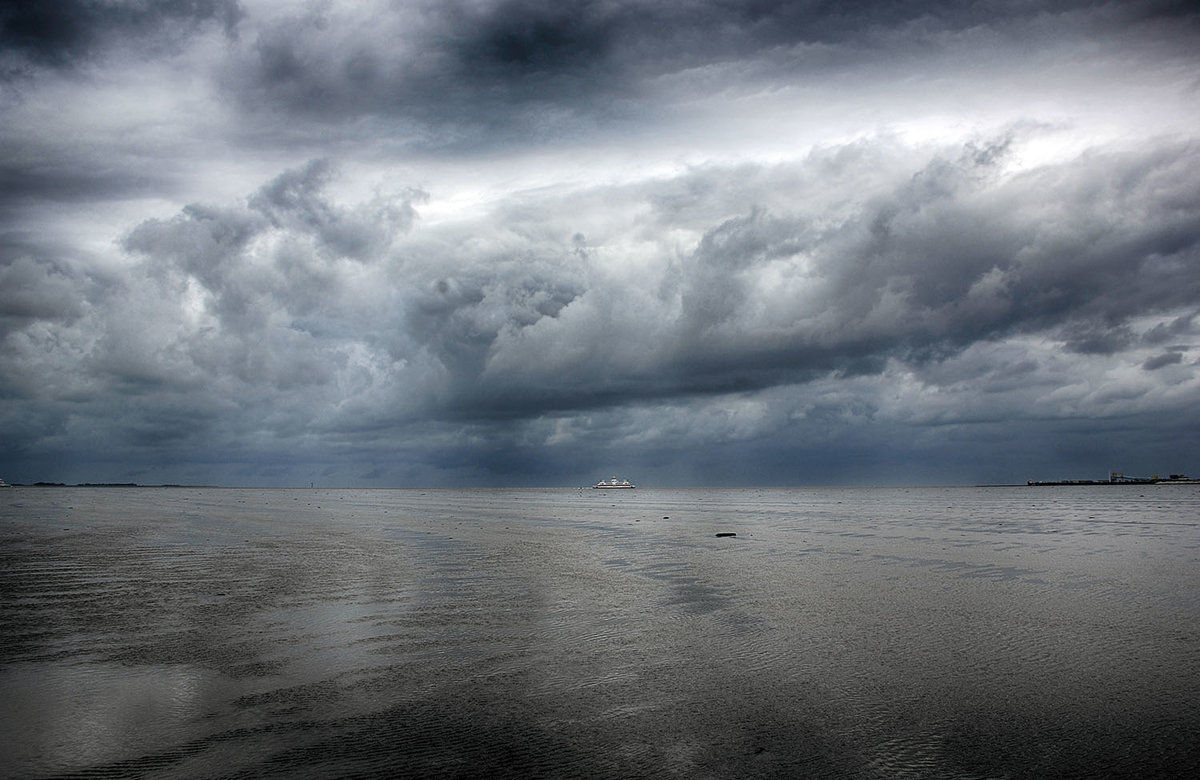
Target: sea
x,y
959,632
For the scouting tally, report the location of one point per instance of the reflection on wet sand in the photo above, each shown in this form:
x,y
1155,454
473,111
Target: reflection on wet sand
x,y
920,633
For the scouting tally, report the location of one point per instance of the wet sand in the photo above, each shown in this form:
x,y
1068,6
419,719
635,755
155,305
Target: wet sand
x,y
883,633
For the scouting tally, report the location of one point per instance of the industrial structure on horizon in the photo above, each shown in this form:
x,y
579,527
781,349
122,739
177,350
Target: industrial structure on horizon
x,y
1120,478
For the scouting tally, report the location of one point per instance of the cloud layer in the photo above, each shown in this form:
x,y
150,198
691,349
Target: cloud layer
x,y
484,243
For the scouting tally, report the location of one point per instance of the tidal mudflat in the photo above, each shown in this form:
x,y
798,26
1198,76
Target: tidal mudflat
x,y
848,633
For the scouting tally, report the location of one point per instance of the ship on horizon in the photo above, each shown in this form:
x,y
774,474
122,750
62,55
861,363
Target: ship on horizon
x,y
613,483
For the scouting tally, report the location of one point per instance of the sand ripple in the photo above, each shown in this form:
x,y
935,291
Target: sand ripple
x,y
861,634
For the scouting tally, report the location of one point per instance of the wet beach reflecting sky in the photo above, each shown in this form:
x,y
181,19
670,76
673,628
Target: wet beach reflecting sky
x,y
873,633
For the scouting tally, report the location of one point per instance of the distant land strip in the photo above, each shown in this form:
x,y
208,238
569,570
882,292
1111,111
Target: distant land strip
x,y
99,484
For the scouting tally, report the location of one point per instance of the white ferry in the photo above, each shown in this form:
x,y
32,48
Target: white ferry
x,y
614,483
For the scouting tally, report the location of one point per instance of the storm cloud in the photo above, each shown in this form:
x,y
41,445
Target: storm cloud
x,y
535,243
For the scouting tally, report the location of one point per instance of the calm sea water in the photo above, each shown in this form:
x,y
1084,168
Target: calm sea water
x,y
848,633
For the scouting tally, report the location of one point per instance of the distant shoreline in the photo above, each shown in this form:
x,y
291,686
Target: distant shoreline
x,y
1097,482
1031,483
101,485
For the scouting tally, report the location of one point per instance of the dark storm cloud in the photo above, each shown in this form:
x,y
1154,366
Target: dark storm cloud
x,y
518,38
35,172
973,257
1165,359
231,309
648,232
951,256
38,175
205,240
289,314
276,253
66,32
460,74
1174,329
34,290
53,45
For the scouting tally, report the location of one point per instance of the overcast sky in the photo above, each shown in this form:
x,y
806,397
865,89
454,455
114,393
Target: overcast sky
x,y
536,242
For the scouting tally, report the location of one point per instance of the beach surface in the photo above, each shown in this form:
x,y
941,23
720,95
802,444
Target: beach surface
x,y
849,633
